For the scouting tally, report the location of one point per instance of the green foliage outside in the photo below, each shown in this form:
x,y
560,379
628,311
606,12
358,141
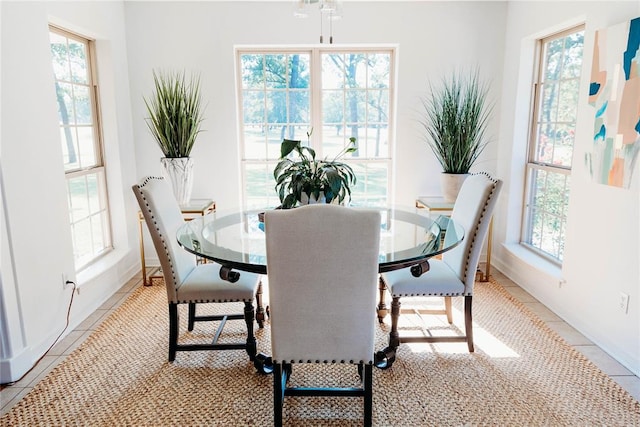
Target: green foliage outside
x,y
555,126
276,94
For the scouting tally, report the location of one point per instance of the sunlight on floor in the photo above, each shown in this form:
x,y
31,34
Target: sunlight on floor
x,y
436,325
492,346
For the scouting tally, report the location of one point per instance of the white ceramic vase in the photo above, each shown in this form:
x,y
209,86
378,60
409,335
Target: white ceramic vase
x,y
179,171
451,183
310,200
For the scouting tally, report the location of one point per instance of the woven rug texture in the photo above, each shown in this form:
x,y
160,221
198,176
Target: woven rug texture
x,y
521,374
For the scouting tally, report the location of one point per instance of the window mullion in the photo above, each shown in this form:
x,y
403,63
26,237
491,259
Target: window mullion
x,y
94,99
316,101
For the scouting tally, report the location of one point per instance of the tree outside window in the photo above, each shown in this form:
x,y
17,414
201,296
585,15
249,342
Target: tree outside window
x,y
331,95
551,142
75,91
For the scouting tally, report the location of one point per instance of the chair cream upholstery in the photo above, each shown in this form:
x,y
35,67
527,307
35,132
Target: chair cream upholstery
x,y
453,275
188,282
322,265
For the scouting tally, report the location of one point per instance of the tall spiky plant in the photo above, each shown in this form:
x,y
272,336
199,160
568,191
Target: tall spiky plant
x,y
175,113
457,115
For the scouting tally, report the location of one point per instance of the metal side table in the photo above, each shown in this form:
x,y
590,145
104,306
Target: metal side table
x,y
437,206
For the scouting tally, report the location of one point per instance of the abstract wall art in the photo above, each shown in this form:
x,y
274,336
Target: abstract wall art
x,y
614,92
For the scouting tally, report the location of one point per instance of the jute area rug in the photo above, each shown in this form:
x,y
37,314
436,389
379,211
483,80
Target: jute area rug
x,y
522,373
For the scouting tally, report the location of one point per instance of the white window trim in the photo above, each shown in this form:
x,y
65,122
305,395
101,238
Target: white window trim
x,y
530,165
315,51
99,148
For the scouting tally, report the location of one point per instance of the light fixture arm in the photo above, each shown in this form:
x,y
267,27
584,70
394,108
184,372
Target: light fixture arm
x,y
331,8
331,27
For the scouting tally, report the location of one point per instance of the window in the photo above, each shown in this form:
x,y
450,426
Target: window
x,y
80,135
332,94
551,142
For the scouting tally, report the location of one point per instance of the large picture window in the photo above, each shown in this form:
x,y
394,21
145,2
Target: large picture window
x,y
321,96
76,95
551,143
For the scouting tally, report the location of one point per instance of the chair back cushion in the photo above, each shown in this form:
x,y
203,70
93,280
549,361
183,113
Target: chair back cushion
x,y
322,267
163,217
473,209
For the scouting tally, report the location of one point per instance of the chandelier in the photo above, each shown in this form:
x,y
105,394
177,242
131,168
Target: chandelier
x,y
330,10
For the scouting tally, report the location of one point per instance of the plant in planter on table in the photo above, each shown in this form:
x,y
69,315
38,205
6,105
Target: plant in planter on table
x,y
456,118
304,179
175,116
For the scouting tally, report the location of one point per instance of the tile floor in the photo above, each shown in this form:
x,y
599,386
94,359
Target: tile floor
x,y
602,360
11,394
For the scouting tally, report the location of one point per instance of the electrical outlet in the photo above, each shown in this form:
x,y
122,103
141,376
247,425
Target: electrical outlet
x,y
624,302
65,279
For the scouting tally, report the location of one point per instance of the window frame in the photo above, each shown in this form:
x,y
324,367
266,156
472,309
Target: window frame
x,y
99,168
533,165
315,53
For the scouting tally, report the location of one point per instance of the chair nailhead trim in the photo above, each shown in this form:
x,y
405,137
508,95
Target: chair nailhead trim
x,y
484,210
430,295
173,275
213,300
367,362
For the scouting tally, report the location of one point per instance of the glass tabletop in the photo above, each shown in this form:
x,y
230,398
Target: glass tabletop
x,y
237,239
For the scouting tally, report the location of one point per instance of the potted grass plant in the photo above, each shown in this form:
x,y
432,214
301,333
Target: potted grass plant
x,y
456,117
175,117
301,178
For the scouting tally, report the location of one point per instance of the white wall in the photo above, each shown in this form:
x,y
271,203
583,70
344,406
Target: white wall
x,y
36,247
602,249
433,38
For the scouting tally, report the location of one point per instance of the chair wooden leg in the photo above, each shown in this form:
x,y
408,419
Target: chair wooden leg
x,y
192,316
368,395
468,322
382,307
260,315
249,314
447,308
394,335
278,394
173,331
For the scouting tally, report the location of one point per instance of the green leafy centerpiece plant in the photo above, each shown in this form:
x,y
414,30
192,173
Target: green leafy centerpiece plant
x,y
301,178
457,114
175,117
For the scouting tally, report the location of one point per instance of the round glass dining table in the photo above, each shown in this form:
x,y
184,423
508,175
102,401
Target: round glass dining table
x,y
236,240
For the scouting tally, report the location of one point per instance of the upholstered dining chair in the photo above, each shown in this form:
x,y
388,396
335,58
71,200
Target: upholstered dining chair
x,y
188,282
454,274
322,265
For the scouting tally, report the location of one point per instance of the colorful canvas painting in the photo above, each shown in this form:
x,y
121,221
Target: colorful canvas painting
x,y
614,91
